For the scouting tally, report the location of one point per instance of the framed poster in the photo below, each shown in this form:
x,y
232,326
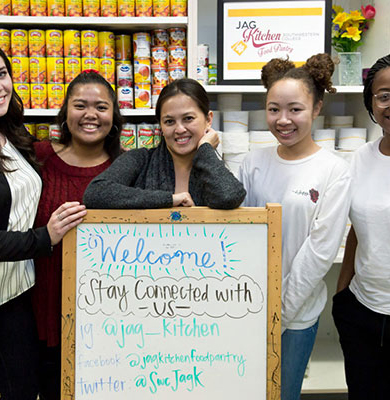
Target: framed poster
x,y
251,33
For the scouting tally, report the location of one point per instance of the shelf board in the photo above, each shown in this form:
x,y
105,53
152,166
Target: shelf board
x,y
260,89
117,23
54,112
326,369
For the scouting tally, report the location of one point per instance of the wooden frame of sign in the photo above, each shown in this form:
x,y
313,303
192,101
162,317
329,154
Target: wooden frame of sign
x,y
270,216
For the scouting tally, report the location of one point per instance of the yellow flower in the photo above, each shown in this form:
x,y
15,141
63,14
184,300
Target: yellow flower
x,y
341,18
352,33
357,16
338,9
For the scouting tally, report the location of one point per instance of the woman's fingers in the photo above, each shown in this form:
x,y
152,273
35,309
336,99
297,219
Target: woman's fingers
x,y
183,199
66,217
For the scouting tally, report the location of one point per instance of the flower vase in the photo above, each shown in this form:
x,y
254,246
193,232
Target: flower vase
x,y
350,69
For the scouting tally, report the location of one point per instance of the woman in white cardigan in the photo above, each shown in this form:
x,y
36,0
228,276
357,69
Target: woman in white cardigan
x,y
20,188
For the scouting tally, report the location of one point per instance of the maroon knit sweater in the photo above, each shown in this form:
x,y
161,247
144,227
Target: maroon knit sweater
x,y
61,183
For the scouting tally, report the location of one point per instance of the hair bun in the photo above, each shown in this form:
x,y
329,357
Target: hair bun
x,y
321,68
274,70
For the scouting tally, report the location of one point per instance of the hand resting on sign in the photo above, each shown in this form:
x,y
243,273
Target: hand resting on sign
x,y
66,217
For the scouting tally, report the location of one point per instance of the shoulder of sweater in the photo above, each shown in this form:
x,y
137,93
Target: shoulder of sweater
x,y
43,149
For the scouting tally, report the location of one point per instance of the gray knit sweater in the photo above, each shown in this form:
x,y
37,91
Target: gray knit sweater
x,y
145,178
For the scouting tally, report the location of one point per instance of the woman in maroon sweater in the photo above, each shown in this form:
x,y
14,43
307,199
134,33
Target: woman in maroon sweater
x,y
90,124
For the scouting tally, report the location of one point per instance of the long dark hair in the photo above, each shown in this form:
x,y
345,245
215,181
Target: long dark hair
x,y
12,127
381,63
111,142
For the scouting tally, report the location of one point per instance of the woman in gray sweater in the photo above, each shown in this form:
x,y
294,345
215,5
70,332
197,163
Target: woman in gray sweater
x,y
183,170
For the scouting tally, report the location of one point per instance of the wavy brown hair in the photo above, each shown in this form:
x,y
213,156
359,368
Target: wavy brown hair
x,y
12,127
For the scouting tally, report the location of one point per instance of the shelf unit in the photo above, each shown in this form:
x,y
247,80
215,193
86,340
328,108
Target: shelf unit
x,y
115,24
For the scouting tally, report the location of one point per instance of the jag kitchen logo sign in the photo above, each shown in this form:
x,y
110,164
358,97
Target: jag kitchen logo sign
x,y
265,41
255,32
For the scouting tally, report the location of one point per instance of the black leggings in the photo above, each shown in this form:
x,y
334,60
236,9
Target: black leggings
x,y
365,340
18,350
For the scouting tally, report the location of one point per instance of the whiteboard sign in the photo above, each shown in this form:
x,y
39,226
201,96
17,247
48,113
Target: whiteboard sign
x,y
170,310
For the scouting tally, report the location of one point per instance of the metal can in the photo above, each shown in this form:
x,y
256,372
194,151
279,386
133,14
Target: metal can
x,y
108,8
157,133
176,72
142,70
5,41
160,38
56,8
20,7
107,69
38,70
38,95
141,44
156,90
54,43
122,47
145,133
54,132
20,69
23,90
91,8
177,37
19,43
212,74
126,8
42,131
5,7
74,8
203,55
89,44
161,8
178,55
38,8
30,126
160,56
143,8
142,95
72,67
89,63
124,74
159,76
125,97
36,43
128,137
72,43
55,94
202,75
55,69
106,45
178,8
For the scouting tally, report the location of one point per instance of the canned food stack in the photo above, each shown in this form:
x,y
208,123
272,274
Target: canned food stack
x,y
202,69
160,41
124,71
55,68
177,54
142,69
142,135
38,68
72,55
20,64
95,8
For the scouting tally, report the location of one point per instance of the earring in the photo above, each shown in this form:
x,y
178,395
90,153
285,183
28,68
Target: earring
x,y
63,126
